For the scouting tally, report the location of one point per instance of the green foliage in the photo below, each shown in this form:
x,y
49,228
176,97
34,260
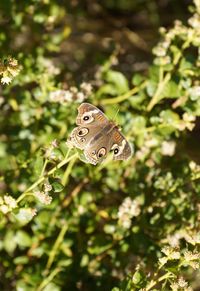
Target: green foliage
x,y
131,225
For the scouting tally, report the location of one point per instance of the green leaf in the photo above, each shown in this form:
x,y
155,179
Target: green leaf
x,y
10,243
38,165
107,89
57,154
151,87
52,287
137,79
24,215
23,239
171,90
118,80
57,186
21,260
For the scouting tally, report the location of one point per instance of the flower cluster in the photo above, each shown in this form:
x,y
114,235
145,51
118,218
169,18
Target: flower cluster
x,y
163,49
194,92
187,122
181,284
194,21
43,197
7,203
170,254
191,237
164,182
186,257
48,66
168,148
192,259
128,209
9,68
72,94
25,215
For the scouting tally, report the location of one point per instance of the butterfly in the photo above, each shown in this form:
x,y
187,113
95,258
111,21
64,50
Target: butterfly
x,y
96,135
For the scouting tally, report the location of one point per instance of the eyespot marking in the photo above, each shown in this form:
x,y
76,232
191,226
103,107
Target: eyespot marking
x,y
101,152
118,149
83,131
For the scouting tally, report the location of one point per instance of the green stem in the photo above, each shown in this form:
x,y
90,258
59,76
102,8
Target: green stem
x,y
41,179
44,167
56,246
68,171
48,279
162,278
162,82
23,195
123,97
157,96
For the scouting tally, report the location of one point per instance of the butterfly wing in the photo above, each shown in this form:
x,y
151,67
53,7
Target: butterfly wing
x,y
96,135
90,121
90,115
81,136
121,147
99,146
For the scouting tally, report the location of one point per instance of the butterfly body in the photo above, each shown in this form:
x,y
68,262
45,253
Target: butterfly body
x,y
97,136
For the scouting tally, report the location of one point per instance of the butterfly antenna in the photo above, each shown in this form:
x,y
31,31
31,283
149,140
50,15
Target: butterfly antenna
x,y
114,118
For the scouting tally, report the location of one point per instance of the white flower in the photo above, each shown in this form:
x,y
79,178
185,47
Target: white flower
x,y
47,187
4,208
159,51
194,92
60,96
153,142
80,97
175,255
67,96
43,197
182,283
194,21
174,240
6,80
163,261
190,256
10,201
168,148
86,87
127,210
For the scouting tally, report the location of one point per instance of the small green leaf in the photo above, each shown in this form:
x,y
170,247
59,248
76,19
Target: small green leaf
x,y
118,80
23,239
57,186
38,165
52,287
137,79
24,215
9,241
21,260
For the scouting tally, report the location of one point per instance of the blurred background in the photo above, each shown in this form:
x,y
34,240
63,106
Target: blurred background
x,y
64,224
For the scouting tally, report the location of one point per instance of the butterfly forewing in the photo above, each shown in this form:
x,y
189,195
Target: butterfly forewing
x,y
96,135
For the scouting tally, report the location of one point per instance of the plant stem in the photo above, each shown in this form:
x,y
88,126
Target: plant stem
x,y
48,279
44,167
68,171
157,96
56,246
23,195
162,82
41,179
162,278
123,97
